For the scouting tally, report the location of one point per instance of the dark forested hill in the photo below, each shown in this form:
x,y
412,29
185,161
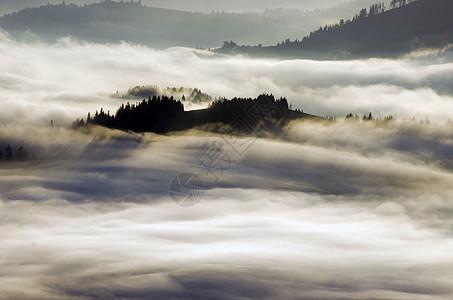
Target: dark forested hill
x,y
378,32
188,95
111,21
162,114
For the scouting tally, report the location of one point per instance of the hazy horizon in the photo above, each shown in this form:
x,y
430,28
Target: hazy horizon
x,y
195,6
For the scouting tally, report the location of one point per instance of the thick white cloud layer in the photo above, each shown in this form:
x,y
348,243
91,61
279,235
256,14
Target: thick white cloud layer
x,y
347,210
334,211
66,80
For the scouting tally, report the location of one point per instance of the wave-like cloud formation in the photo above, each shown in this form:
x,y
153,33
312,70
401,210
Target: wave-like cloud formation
x,y
40,82
335,211
346,210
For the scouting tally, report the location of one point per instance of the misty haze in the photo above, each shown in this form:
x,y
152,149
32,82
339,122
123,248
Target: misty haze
x,y
226,149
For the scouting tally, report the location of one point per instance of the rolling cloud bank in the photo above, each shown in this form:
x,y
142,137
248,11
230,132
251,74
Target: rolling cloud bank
x,y
79,77
323,211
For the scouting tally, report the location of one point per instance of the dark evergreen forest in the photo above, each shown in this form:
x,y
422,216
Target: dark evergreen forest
x,y
161,114
374,32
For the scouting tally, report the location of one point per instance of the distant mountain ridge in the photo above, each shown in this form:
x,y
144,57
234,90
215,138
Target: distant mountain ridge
x,y
112,22
308,20
419,24
206,6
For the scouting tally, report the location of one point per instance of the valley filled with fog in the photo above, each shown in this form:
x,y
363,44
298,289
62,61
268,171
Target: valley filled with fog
x,y
321,210
40,77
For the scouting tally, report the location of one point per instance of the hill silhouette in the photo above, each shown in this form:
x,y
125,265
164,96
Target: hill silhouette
x,y
163,114
112,22
187,95
374,32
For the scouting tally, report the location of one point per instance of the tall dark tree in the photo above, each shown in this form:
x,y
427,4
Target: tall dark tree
x,y
8,153
22,153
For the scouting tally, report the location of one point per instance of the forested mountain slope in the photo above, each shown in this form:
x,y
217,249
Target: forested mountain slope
x,y
419,24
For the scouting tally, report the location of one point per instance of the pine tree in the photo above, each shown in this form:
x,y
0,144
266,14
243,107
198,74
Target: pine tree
x,y
8,153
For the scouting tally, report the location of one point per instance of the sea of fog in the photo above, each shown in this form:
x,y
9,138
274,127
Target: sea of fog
x,y
346,210
64,81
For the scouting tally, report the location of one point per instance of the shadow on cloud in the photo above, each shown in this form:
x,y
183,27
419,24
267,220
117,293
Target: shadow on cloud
x,y
347,210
